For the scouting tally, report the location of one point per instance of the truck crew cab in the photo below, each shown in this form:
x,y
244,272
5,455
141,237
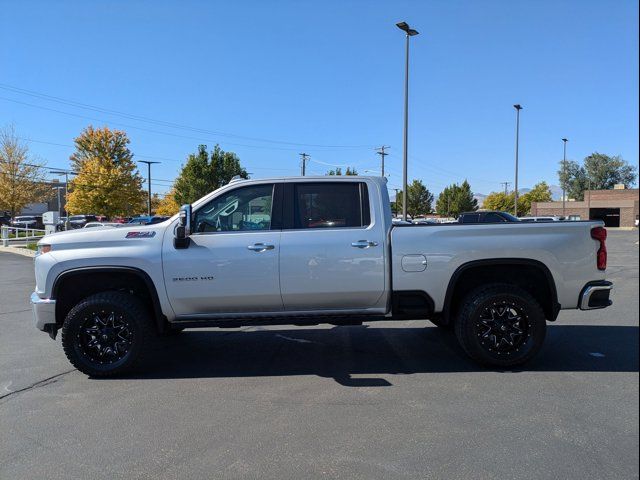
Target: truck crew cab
x,y
312,250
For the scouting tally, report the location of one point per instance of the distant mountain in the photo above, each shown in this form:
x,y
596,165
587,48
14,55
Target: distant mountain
x,y
556,192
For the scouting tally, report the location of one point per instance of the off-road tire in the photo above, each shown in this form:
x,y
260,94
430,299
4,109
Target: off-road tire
x,y
128,311
500,301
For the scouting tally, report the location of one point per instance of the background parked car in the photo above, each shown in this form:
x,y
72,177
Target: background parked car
x,y
28,221
5,219
101,224
147,220
79,221
61,225
540,219
487,217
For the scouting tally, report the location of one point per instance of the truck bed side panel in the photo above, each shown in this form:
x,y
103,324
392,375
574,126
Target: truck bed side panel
x,y
566,248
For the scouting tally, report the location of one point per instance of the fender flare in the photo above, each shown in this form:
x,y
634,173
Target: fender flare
x,y
144,276
555,306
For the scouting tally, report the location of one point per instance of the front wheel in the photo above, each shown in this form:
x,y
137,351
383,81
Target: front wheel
x,y
500,325
105,334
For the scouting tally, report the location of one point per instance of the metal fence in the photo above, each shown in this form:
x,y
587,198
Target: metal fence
x,y
20,235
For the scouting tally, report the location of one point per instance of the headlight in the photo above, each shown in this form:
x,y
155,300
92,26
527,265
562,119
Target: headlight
x,y
43,248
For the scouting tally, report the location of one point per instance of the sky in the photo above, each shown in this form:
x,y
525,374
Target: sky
x,y
271,80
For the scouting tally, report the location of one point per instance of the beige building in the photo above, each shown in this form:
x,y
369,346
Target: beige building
x,y
617,207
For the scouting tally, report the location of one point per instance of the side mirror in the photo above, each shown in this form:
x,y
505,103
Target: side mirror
x,y
183,230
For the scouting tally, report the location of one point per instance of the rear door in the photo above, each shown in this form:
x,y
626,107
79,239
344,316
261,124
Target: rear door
x,y
331,248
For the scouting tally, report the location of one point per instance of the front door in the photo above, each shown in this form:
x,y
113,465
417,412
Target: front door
x,y
231,264
331,252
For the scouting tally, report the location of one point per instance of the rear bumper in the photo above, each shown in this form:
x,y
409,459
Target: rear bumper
x,y
595,295
44,312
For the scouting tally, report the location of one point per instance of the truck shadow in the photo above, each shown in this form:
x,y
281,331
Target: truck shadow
x,y
342,352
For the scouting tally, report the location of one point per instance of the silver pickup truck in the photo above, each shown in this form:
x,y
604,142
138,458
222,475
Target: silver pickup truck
x,y
312,250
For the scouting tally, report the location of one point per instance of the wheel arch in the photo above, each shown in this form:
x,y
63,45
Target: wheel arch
x,y
85,281
474,273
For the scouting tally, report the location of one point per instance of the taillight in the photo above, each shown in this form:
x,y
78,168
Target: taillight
x,y
600,234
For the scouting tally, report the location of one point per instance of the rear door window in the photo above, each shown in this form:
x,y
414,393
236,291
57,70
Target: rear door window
x,y
330,205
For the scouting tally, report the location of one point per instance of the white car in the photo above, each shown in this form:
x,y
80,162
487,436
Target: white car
x,y
101,224
540,219
312,250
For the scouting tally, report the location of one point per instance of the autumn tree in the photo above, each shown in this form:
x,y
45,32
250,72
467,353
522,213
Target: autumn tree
x,y
504,202
167,205
104,143
107,180
22,177
539,193
419,199
456,199
205,172
338,171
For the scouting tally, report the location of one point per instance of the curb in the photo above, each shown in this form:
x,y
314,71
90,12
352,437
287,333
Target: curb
x,y
25,252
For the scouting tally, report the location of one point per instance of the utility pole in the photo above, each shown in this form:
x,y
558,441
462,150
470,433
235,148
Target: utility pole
x,y
380,151
564,174
148,184
518,107
304,157
506,186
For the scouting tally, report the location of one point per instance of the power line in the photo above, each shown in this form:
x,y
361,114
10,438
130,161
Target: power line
x,y
506,186
140,118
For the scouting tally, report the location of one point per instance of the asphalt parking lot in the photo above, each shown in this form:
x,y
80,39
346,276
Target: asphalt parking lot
x,y
388,400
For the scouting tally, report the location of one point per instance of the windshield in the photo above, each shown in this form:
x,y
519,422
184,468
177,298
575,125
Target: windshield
x,y
76,217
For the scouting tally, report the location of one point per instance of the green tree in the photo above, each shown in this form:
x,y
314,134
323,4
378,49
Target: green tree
x,y
205,172
456,199
107,180
598,172
21,176
419,199
338,171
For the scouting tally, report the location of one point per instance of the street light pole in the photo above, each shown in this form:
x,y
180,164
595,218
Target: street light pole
x,y
66,193
564,174
518,107
149,184
59,203
409,32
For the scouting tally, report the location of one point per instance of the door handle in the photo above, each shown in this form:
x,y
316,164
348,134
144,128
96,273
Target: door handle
x,y
364,244
260,247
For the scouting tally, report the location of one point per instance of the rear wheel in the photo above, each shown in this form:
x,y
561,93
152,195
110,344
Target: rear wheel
x,y
106,334
500,325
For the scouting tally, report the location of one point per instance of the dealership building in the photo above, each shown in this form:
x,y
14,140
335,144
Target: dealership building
x,y
617,207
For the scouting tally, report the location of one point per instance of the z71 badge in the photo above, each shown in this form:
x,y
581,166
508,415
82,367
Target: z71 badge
x,y
147,234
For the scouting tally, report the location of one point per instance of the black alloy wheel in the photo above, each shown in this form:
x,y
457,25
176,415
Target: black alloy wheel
x,y
107,333
500,325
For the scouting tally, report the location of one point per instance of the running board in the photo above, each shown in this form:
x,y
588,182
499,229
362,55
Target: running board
x,y
344,320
